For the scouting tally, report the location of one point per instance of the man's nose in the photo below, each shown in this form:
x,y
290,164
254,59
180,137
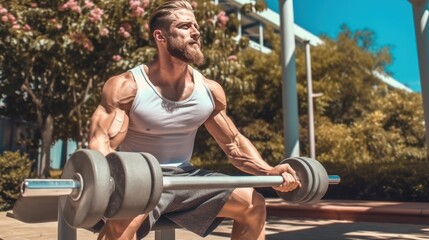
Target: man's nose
x,y
195,33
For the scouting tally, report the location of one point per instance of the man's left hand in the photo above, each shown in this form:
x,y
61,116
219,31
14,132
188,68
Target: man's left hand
x,y
291,180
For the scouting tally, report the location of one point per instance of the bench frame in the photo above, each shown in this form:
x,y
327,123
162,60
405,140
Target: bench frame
x,y
164,229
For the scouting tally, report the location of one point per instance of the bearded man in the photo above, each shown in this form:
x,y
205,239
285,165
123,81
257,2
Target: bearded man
x,y
157,108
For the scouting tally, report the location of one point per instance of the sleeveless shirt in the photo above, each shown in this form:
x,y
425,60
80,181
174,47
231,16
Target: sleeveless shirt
x,y
165,128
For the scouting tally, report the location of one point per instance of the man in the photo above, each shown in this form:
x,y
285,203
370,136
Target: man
x,y
157,108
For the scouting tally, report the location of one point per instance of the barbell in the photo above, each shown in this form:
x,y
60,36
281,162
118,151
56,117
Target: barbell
x,y
123,185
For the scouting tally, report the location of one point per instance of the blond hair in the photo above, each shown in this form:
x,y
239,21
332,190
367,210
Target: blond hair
x,y
159,18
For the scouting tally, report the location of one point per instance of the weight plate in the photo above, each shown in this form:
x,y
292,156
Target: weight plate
x,y
316,180
88,209
323,181
157,181
133,183
305,176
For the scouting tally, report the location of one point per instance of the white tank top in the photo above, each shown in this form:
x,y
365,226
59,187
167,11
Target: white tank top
x,y
166,128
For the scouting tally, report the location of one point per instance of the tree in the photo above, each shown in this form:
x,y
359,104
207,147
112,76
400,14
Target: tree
x,y
360,117
365,129
56,55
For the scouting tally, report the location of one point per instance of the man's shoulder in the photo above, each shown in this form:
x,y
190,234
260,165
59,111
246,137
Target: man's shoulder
x,y
120,86
121,80
212,84
217,92
122,77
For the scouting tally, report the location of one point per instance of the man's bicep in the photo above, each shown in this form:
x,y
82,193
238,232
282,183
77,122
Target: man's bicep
x,y
101,121
109,122
222,128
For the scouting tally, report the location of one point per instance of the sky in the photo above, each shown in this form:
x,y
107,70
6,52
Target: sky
x,y
391,21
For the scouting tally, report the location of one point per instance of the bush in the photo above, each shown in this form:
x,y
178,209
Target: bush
x,y
387,181
15,167
400,180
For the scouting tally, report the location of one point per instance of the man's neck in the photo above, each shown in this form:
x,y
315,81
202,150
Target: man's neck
x,y
169,72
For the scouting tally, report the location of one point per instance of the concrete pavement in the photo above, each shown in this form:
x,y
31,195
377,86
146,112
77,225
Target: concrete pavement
x,y
332,220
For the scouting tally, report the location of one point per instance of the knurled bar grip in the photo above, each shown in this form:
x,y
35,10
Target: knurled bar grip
x,y
64,187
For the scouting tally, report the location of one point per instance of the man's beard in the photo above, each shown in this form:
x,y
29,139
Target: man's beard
x,y
186,52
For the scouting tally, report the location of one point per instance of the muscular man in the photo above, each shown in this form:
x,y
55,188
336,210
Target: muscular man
x,y
157,108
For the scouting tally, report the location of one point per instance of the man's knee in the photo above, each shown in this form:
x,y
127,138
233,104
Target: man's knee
x,y
121,229
254,207
258,204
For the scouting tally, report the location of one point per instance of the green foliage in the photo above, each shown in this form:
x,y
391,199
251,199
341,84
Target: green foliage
x,y
14,168
369,133
56,55
395,181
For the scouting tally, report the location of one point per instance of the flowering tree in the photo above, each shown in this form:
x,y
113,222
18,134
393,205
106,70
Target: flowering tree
x,y
55,56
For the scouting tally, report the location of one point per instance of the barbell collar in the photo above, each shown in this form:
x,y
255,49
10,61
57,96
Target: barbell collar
x,y
49,187
72,187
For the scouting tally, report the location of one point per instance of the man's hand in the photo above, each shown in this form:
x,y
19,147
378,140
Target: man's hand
x,y
291,180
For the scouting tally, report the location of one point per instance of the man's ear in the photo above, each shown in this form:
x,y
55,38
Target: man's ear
x,y
158,36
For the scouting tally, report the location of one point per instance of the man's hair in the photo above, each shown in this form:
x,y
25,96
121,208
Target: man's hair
x,y
159,18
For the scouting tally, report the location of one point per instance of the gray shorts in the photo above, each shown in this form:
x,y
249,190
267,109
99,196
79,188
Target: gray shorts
x,y
194,210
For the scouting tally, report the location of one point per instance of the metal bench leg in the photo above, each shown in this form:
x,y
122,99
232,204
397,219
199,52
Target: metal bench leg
x,y
65,232
165,234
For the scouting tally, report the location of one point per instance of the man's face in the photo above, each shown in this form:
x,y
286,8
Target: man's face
x,y
183,38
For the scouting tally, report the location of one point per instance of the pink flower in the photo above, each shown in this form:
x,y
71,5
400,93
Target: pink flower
x,y
26,27
222,19
134,4
104,32
138,12
232,58
95,15
63,7
11,18
58,26
33,5
194,4
3,11
89,4
146,26
124,33
88,45
116,58
4,18
16,27
76,9
72,5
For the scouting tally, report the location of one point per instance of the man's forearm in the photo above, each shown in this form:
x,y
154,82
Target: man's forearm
x,y
243,155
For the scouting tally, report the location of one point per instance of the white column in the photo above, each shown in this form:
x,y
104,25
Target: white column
x,y
239,26
421,25
289,89
261,36
310,101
